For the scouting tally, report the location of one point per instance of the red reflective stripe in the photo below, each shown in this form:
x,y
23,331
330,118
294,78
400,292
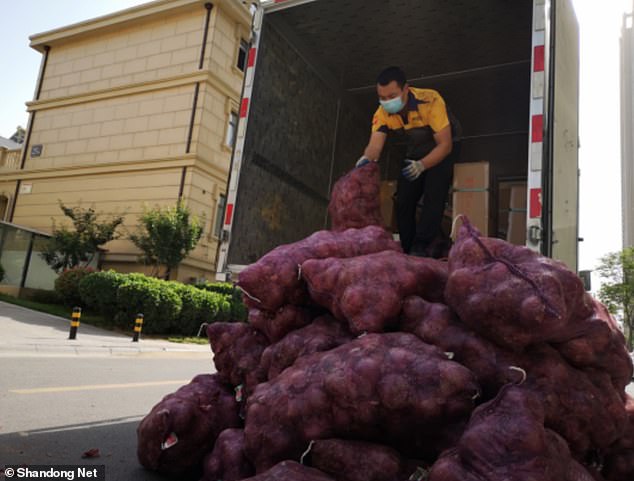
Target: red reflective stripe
x,y
251,61
536,203
279,1
229,214
538,65
244,108
538,127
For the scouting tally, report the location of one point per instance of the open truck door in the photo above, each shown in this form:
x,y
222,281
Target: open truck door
x,y
554,168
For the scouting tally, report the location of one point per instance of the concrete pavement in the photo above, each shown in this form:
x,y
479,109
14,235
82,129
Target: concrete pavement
x,y
60,398
53,409
26,332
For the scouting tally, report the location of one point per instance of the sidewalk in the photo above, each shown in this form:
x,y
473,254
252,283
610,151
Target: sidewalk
x,y
24,331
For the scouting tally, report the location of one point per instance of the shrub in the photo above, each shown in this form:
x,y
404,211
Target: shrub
x,y
191,315
67,284
225,288
200,306
238,311
157,300
1,273
98,292
168,306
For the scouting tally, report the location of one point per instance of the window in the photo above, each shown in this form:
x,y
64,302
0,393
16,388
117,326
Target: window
x,y
232,129
242,55
220,212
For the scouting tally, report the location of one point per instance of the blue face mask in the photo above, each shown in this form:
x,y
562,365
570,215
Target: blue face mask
x,y
392,106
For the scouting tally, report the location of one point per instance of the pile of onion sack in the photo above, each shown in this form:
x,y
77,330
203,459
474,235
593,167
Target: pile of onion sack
x,y
361,363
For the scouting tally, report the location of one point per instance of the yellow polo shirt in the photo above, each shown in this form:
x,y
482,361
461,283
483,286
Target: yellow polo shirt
x,y
425,108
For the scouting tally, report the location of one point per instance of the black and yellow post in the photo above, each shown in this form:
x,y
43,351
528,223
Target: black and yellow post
x,y
138,325
74,322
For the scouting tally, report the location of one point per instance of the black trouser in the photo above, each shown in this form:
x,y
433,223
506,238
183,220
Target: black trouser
x,y
434,185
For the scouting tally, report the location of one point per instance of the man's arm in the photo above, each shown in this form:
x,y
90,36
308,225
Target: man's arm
x,y
375,146
444,144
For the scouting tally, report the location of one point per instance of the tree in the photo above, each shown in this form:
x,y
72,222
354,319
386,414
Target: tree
x,y
617,293
18,136
166,237
77,247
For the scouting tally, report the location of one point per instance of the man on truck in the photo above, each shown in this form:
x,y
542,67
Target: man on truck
x,y
433,146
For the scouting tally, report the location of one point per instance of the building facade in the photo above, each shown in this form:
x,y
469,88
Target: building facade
x,y
627,129
135,110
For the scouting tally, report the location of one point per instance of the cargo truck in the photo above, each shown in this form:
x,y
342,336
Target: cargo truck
x,y
508,69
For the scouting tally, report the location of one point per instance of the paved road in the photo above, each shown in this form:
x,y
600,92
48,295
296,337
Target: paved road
x,y
60,398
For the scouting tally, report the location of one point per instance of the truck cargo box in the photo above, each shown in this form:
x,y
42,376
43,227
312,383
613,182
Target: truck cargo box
x,y
309,96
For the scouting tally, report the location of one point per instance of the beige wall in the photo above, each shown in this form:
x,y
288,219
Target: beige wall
x,y
136,127
137,53
202,192
123,193
211,136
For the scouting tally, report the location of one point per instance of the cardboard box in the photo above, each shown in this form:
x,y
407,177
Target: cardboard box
x,y
518,197
516,233
517,228
504,203
511,197
475,205
471,175
471,193
388,204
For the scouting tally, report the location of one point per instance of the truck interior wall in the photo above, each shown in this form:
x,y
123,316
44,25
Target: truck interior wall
x,y
286,171
352,135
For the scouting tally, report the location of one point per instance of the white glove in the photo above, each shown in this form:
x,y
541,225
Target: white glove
x,y
362,161
413,170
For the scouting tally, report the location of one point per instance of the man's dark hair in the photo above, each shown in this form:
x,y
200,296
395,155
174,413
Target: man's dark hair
x,y
392,74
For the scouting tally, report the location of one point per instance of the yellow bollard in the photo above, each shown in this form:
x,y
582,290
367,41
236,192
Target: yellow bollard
x,y
138,325
74,322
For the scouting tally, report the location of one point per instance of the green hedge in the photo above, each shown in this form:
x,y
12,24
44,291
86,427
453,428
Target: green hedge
x,y
225,288
201,306
168,307
239,312
98,292
157,300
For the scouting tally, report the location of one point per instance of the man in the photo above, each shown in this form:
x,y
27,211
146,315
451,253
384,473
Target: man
x,y
433,146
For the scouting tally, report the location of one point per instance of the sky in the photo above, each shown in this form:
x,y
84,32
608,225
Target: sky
x,y
599,130
599,156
